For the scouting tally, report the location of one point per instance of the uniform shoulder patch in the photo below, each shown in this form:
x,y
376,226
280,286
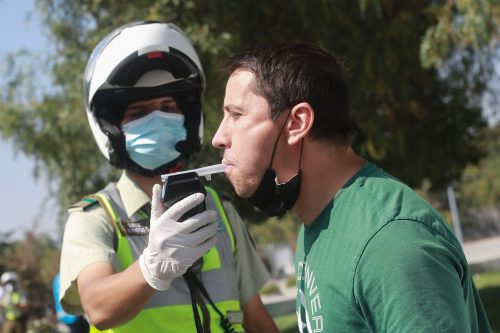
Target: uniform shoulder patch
x,y
82,205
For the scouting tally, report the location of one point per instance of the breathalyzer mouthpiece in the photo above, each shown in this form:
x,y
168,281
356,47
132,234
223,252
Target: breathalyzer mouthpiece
x,y
205,171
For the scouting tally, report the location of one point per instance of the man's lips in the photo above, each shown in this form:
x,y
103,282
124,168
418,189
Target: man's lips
x,y
229,166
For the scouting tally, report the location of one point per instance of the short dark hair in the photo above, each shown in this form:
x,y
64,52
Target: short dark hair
x,y
290,73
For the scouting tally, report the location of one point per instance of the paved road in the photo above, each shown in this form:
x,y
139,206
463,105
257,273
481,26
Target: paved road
x,y
481,251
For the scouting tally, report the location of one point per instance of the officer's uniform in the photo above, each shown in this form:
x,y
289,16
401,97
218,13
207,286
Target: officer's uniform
x,y
90,237
12,303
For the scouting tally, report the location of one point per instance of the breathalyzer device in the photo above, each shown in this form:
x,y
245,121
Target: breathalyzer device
x,y
179,185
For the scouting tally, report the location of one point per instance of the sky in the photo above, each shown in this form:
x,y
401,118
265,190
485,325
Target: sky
x,y
22,197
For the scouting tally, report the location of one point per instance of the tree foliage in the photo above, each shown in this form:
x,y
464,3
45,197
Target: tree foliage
x,y
480,184
418,70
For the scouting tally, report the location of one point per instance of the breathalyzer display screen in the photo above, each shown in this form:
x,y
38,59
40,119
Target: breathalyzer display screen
x,y
178,187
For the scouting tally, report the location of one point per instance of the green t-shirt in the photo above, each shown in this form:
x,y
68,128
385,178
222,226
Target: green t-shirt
x,y
381,259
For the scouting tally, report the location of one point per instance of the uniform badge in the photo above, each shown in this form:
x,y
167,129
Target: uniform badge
x,y
140,227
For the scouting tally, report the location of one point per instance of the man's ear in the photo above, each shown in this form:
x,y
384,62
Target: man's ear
x,y
300,122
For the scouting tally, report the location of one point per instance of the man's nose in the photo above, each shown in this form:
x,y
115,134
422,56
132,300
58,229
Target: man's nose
x,y
219,141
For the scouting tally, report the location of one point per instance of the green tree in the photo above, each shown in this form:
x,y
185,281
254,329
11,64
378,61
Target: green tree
x,y
418,70
480,184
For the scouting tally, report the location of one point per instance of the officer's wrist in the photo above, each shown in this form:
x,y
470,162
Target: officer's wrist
x,y
147,267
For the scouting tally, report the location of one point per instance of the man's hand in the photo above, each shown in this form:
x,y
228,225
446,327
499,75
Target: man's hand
x,y
174,246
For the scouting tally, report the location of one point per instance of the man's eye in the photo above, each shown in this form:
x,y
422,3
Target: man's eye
x,y
170,106
235,114
140,113
136,114
167,108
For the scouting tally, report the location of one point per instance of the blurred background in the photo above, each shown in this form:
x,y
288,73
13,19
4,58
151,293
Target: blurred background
x,y
424,90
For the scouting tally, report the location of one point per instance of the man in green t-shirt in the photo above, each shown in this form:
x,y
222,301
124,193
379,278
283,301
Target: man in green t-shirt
x,y
372,256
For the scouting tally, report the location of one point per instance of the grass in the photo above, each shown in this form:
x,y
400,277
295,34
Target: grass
x,y
290,281
488,285
485,280
270,289
287,323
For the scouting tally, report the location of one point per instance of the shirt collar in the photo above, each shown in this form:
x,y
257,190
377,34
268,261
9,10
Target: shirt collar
x,y
132,195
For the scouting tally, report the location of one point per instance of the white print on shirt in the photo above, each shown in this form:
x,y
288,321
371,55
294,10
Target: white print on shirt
x,y
310,289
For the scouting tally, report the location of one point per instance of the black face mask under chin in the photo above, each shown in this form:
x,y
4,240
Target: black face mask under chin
x,y
276,199
272,198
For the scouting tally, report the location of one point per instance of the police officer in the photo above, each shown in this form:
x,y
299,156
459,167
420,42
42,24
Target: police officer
x,y
14,304
123,256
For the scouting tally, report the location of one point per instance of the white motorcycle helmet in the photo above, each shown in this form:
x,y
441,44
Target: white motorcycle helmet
x,y
135,62
9,277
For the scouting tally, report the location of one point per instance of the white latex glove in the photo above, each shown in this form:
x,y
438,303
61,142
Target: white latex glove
x,y
174,246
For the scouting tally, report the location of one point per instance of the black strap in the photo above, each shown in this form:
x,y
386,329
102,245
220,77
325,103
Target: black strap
x,y
204,311
192,291
224,321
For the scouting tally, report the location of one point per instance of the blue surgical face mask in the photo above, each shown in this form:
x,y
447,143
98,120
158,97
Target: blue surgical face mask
x,y
151,140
